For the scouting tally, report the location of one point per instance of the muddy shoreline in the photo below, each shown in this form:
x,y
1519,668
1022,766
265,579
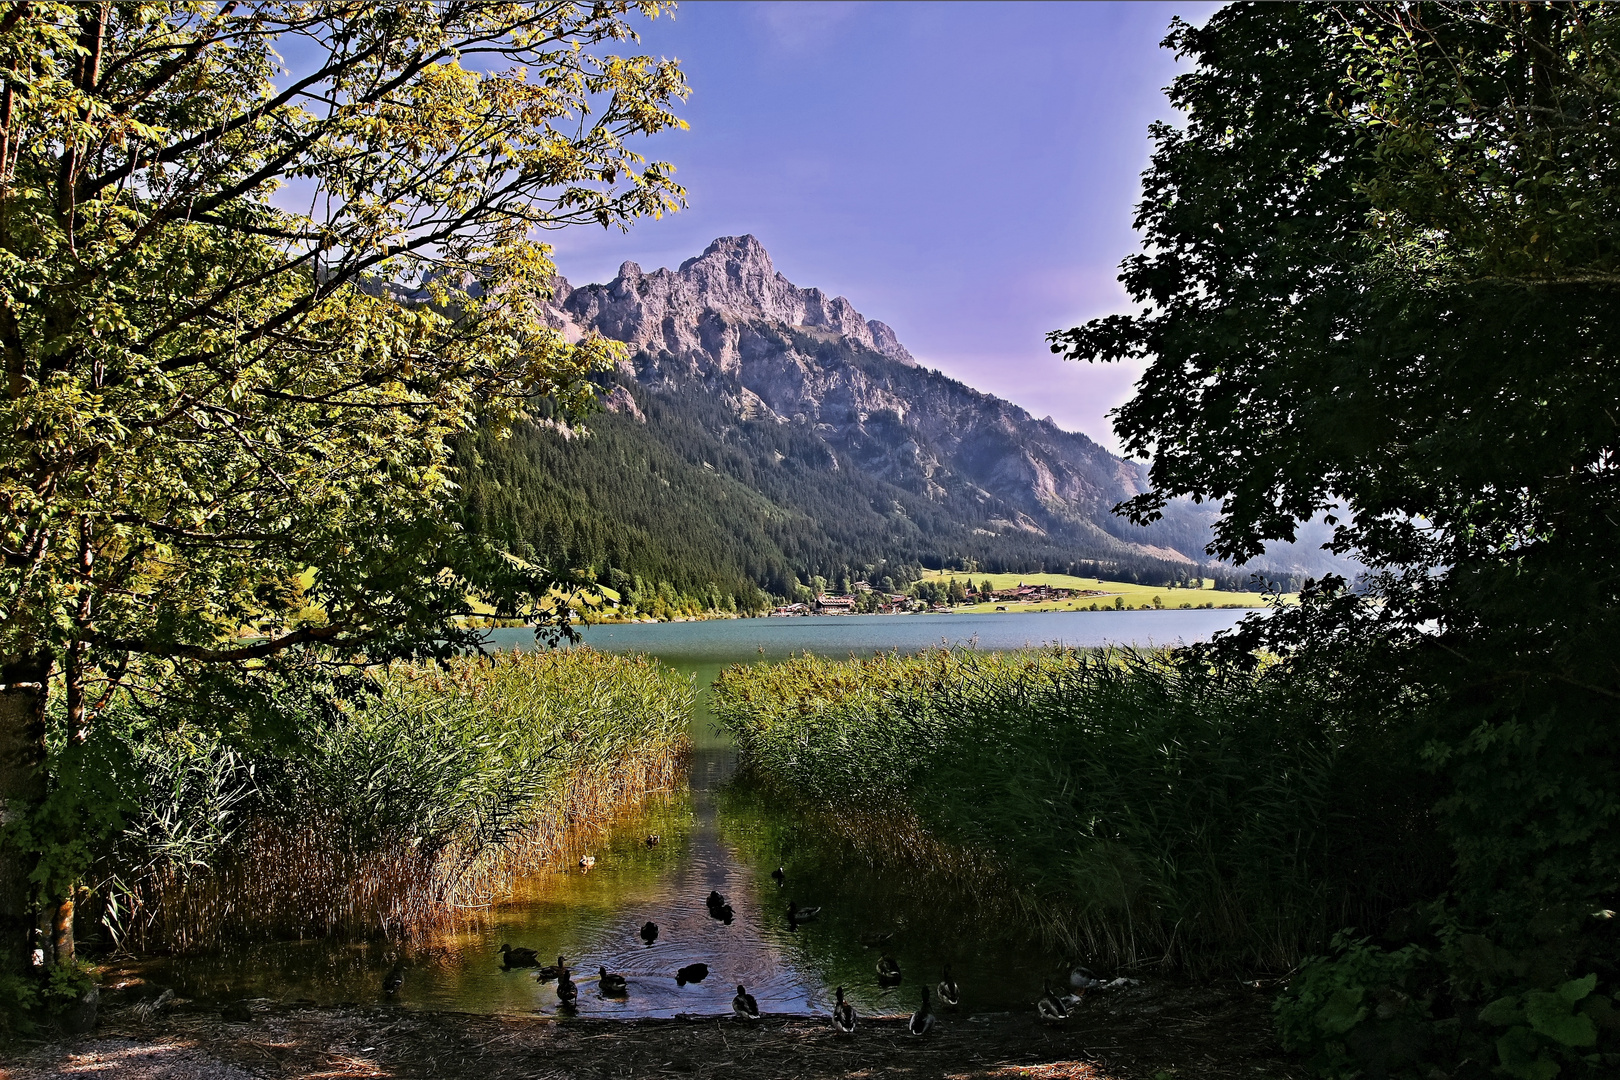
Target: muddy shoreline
x,y
1152,1032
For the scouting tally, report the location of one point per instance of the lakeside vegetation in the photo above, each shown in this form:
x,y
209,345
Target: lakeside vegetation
x,y
1137,812
417,803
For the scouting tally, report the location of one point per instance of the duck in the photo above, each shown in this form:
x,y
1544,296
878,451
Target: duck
x,y
1051,1006
567,992
797,914
586,862
652,839
723,913
691,973
744,1005
843,1015
873,939
611,984
923,1018
779,875
888,970
518,958
715,900
649,931
394,979
1081,978
947,989
547,973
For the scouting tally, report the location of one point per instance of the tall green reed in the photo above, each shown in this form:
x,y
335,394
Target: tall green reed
x,y
396,811
1137,810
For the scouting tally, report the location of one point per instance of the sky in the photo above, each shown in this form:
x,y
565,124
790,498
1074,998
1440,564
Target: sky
x,y
966,173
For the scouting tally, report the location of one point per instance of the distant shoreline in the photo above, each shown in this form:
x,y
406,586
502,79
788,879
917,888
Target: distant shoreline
x,y
966,609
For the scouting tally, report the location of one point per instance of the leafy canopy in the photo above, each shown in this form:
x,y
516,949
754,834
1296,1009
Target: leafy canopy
x,y
1379,282
258,261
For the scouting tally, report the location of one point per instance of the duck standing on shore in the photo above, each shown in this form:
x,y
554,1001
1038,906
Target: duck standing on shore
x,y
744,1005
1051,1006
947,989
843,1015
923,1019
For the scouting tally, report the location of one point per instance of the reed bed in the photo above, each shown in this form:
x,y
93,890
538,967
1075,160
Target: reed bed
x,y
401,812
1134,810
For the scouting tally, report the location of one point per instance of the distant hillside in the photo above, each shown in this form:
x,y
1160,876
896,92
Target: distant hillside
x,y
764,434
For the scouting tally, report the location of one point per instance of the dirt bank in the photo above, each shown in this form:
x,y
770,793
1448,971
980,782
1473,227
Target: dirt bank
x,y
1153,1031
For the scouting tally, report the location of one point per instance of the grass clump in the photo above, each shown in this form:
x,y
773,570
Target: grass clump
x,y
1140,810
395,810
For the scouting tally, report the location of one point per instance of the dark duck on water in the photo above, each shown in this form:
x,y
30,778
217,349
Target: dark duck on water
x,y
649,931
611,984
720,909
567,992
691,973
518,958
394,979
888,971
547,973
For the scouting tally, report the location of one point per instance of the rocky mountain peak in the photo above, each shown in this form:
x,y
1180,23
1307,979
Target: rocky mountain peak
x,y
686,312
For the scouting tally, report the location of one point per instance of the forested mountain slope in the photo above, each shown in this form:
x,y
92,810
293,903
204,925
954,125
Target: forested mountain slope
x,y
762,434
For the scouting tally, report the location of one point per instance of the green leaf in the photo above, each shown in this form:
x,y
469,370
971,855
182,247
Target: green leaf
x,y
1522,1056
1343,1011
1553,1016
1503,1012
1576,989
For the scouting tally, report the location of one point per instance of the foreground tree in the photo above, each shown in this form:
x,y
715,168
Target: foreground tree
x,y
244,302
1380,283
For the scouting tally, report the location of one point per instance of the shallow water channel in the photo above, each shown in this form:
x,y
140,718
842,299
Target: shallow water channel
x,y
713,836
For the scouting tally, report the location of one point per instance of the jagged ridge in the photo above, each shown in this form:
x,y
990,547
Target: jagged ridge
x,y
795,396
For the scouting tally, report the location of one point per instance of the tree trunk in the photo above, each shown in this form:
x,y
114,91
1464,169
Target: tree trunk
x,y
22,787
62,930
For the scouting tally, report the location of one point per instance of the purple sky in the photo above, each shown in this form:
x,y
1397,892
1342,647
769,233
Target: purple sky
x,y
964,172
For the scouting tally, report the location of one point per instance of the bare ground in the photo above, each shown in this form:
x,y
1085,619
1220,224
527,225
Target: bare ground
x,y
1152,1032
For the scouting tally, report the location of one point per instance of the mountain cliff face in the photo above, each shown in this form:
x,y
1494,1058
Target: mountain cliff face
x,y
771,351
770,432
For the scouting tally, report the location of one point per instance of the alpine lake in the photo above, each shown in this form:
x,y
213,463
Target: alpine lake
x,y
713,835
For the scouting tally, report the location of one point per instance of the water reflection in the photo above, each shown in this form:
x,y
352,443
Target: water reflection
x,y
712,838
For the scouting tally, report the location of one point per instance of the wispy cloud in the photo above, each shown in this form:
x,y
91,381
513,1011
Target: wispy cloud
x,y
801,27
